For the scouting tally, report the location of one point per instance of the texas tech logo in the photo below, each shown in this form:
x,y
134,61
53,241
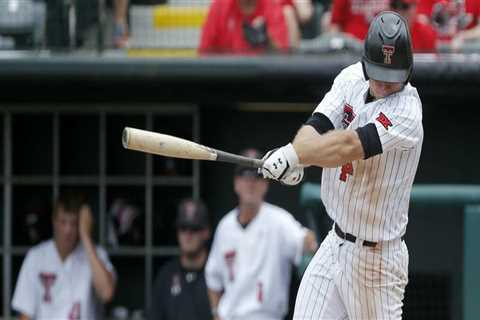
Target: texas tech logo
x,y
47,279
384,121
348,115
230,260
388,52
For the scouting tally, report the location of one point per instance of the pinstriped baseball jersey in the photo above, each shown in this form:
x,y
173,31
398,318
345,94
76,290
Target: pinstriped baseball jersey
x,y
370,198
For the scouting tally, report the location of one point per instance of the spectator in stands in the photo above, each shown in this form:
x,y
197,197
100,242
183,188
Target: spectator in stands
x,y
424,36
455,21
352,17
245,27
297,13
249,267
120,24
63,278
179,291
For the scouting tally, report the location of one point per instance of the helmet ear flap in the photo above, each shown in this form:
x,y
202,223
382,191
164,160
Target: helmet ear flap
x,y
409,75
365,75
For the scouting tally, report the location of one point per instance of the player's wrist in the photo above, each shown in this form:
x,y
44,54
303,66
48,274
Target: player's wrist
x,y
214,312
291,155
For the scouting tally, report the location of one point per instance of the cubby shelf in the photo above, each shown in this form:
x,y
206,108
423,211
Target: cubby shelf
x,y
45,151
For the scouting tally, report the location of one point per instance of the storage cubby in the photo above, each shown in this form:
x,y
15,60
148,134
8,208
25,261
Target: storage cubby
x,y
32,213
119,160
165,206
125,216
130,294
180,126
133,196
79,144
32,147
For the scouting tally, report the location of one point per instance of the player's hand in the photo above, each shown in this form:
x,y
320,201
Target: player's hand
x,y
282,165
293,176
85,223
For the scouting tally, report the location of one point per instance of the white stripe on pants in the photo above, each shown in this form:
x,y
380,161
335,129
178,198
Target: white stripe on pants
x,y
347,280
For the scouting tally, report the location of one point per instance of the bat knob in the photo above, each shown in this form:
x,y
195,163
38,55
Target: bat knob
x,y
125,138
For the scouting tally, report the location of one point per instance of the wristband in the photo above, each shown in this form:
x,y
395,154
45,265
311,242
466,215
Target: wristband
x,y
291,155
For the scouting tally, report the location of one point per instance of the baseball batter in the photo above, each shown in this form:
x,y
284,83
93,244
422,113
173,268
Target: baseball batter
x,y
59,277
367,134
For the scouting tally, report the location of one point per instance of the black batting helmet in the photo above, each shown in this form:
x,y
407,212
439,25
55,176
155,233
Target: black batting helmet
x,y
388,49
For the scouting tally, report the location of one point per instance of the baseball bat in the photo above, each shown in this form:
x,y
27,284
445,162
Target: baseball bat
x,y
171,146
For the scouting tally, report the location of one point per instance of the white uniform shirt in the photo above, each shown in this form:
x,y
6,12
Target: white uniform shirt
x,y
252,265
370,198
48,288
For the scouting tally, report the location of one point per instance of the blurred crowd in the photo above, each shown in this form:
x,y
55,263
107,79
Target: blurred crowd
x,y
244,26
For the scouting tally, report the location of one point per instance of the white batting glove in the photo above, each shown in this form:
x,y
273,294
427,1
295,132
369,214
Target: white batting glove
x,y
293,176
280,164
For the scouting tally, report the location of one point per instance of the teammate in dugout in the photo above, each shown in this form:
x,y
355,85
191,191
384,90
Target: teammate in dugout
x,y
63,278
367,134
180,292
255,245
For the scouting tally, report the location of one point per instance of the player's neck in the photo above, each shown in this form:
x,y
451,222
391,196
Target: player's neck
x,y
194,261
63,251
247,213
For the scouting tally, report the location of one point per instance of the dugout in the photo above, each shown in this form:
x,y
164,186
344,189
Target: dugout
x,y
67,113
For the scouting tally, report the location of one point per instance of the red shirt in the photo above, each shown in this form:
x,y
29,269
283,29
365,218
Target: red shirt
x,y
424,37
223,31
354,16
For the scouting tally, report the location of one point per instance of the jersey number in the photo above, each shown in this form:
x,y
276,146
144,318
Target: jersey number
x,y
260,292
347,169
74,312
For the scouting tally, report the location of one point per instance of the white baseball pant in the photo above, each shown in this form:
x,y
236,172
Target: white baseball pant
x,y
347,280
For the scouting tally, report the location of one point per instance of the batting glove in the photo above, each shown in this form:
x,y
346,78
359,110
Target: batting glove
x,y
282,165
293,176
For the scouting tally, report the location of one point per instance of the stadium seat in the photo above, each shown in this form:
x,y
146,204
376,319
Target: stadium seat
x,y
23,21
170,29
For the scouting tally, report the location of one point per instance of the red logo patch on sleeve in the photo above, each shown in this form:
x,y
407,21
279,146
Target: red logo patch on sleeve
x,y
382,118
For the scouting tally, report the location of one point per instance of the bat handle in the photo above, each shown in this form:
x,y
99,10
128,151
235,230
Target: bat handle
x,y
240,160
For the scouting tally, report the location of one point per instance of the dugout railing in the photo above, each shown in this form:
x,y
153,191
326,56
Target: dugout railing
x,y
434,196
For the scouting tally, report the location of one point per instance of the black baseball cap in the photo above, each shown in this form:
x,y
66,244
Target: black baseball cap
x,y
243,171
192,214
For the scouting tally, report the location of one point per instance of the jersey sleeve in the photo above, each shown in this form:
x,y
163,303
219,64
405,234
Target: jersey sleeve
x,y
399,126
24,296
213,269
332,103
293,234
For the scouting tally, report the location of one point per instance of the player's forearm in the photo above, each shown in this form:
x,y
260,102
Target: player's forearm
x,y
304,9
471,34
214,298
329,150
310,244
103,281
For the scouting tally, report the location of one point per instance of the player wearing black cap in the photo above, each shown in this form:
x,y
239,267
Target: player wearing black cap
x,y
179,291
